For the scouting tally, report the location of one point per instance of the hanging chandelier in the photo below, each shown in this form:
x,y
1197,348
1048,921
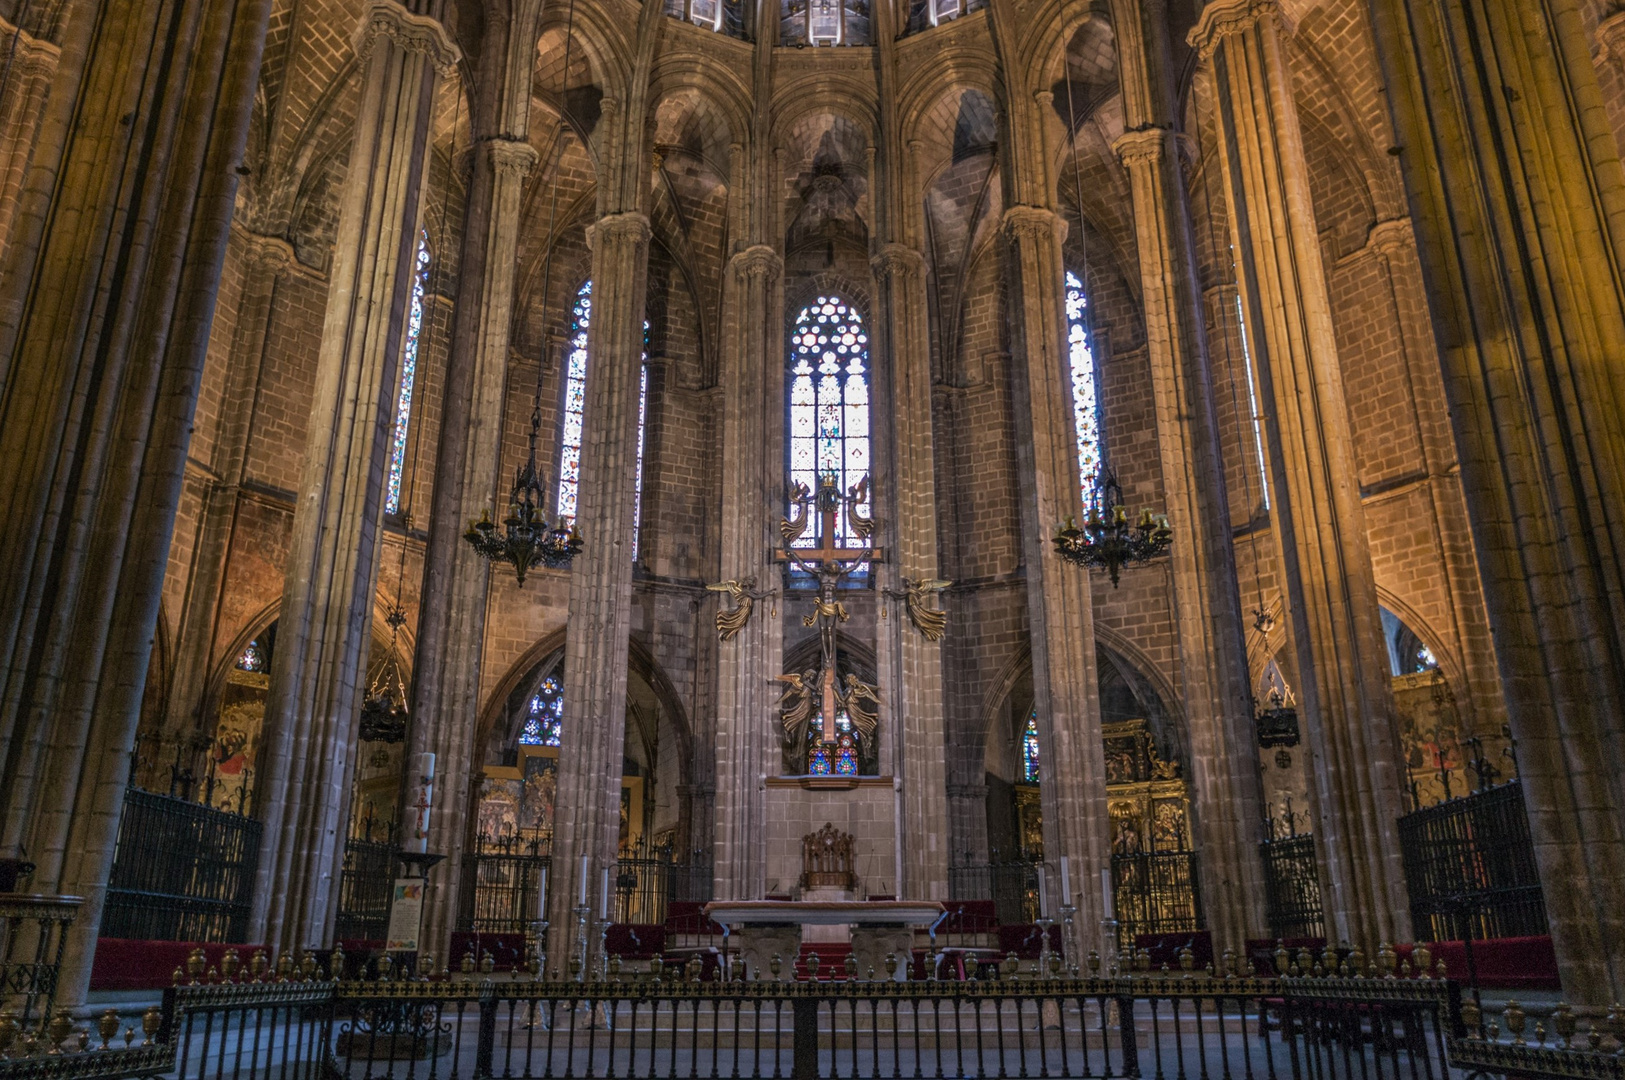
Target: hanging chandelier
x,y
1107,539
384,711
525,538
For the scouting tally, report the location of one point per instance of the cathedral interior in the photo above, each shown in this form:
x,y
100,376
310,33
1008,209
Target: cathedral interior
x,y
1146,474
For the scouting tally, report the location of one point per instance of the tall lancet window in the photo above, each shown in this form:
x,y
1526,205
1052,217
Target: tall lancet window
x,y
409,371
575,400
1085,391
1029,749
829,401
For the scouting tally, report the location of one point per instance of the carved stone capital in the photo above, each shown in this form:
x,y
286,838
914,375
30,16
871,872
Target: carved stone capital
x,y
1227,18
897,260
408,32
626,228
1148,146
511,158
1611,38
1391,238
266,253
29,55
1033,223
758,262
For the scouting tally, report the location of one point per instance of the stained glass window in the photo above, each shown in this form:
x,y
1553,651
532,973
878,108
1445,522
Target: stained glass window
x,y
545,716
1252,402
844,760
824,22
829,400
1085,391
1029,749
252,657
409,371
575,400
643,415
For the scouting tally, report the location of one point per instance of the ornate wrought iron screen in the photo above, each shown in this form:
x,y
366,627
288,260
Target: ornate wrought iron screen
x,y
1156,893
1292,887
364,894
1012,886
182,871
501,881
1470,867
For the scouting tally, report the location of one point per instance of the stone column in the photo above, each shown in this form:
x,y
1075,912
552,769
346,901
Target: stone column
x,y
456,580
1207,606
323,631
588,817
903,361
747,742
265,261
1518,199
29,64
1060,609
99,375
1331,593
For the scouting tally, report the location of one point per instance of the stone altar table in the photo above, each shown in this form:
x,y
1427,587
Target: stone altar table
x,y
764,928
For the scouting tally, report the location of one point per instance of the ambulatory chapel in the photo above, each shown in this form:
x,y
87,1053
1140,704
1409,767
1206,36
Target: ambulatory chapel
x,y
811,493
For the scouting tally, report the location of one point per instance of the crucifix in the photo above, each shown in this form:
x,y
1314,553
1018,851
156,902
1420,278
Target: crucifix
x,y
828,563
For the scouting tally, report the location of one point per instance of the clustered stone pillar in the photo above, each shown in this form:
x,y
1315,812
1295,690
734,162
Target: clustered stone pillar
x,y
1212,646
595,663
456,580
1334,621
133,167
324,627
747,748
1060,609
29,66
1519,201
265,261
903,357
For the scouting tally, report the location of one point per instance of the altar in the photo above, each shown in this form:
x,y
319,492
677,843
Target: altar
x,y
763,929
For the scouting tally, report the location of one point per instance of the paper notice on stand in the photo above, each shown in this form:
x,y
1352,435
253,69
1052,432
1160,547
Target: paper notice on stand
x,y
405,915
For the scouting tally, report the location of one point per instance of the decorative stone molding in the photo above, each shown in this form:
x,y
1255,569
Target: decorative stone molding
x,y
1147,146
897,260
408,32
1227,18
630,227
1034,222
758,261
271,254
972,792
511,158
1391,238
29,54
1611,38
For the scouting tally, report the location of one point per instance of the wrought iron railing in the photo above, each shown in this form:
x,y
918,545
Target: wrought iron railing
x,y
1292,886
502,880
1024,1020
1011,885
1156,893
370,867
33,932
182,871
1470,867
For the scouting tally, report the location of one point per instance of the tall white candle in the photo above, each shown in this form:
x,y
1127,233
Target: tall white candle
x,y
422,802
1043,893
1108,907
586,868
1066,882
541,896
603,901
